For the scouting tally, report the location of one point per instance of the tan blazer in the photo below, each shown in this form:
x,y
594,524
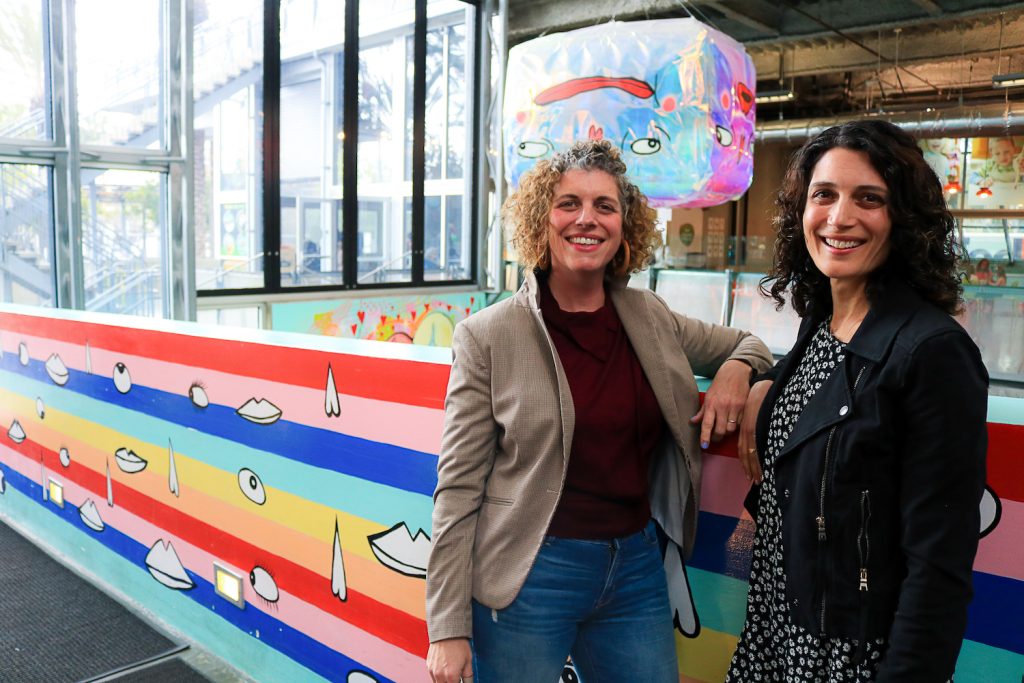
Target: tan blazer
x,y
508,429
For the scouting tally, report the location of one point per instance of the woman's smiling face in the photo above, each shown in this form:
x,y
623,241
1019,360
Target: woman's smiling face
x,y
586,221
846,220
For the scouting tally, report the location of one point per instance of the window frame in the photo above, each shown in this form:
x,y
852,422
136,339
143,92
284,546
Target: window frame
x,y
271,169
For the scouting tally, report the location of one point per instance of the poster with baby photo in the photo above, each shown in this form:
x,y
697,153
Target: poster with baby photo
x,y
995,173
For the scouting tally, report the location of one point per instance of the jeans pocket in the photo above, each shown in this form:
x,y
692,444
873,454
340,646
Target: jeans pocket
x,y
650,533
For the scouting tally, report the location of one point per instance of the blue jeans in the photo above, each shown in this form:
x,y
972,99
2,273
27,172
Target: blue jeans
x,y
605,602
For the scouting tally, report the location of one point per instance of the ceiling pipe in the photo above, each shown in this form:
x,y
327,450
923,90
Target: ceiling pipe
x,y
980,121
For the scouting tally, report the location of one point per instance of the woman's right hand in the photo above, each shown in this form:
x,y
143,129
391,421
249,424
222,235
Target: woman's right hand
x,y
450,661
747,444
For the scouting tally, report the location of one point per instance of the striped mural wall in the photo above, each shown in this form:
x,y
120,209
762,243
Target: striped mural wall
x,y
306,466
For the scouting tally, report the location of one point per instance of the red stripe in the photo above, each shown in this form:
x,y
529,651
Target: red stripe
x,y
1006,460
564,91
397,381
386,622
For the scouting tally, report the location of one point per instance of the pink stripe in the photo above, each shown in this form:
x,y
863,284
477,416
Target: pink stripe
x,y
999,552
364,418
723,485
375,653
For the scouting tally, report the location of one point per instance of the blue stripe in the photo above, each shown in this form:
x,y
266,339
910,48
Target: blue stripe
x,y
994,615
725,545
393,466
289,641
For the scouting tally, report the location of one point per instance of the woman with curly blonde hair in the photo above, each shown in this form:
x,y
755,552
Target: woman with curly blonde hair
x,y
571,431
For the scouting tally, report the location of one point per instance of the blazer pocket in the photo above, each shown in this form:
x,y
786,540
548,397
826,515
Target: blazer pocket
x,y
495,500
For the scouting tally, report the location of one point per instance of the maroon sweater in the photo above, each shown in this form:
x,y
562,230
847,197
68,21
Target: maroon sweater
x,y
618,424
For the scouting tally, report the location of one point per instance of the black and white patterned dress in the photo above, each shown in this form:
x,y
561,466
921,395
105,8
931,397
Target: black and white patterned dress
x,y
771,646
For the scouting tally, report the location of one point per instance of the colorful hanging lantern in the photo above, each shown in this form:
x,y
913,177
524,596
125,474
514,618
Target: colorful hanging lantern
x,y
675,95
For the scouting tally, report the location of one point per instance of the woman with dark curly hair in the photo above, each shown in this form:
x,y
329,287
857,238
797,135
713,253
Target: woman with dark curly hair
x,y
571,426
869,456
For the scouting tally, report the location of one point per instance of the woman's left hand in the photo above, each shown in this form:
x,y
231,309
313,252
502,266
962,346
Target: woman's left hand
x,y
723,402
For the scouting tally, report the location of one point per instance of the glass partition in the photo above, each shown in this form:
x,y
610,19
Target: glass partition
x,y
755,313
994,316
123,235
120,79
697,294
26,234
227,98
23,68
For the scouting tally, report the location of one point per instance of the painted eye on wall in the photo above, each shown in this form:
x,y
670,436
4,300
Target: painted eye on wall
x,y
645,146
723,135
251,486
532,149
263,583
122,380
197,393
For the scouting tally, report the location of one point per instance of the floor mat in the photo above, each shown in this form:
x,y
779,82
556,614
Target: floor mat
x,y
172,671
57,626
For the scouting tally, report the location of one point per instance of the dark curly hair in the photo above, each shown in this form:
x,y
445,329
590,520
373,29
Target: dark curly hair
x,y
923,250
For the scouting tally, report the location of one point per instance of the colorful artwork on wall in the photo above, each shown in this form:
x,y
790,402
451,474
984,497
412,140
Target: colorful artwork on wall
x,y
427,320
675,95
325,509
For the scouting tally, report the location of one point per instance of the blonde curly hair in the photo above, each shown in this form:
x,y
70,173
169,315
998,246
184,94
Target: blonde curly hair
x,y
528,209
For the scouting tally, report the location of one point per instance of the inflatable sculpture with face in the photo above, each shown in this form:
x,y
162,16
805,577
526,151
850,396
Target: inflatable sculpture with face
x,y
675,95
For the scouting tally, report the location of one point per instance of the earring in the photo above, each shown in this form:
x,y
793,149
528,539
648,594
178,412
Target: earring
x,y
624,266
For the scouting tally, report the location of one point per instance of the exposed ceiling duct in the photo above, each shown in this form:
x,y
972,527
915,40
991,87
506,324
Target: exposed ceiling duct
x,y
983,121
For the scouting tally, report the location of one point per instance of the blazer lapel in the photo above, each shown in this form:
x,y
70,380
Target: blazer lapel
x,y
528,297
643,335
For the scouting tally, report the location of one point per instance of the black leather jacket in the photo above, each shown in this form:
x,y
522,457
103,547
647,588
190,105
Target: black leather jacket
x,y
879,486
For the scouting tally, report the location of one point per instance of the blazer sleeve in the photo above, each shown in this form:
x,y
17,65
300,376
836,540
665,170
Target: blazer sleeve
x,y
467,454
944,403
707,345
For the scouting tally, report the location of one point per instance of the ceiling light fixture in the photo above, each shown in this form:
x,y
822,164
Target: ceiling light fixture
x,y
1013,80
772,96
983,193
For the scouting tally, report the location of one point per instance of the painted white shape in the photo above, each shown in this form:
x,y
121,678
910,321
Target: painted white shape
x,y
40,408
128,461
332,406
172,471
252,486
122,378
260,411
399,550
65,457
679,595
3,483
163,563
338,585
197,393
16,433
110,487
90,515
56,369
360,677
989,511
263,583
23,353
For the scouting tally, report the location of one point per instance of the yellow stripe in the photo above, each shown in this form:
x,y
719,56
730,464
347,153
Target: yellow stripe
x,y
707,657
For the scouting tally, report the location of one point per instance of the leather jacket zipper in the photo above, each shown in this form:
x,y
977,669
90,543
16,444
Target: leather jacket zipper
x,y
820,519
864,539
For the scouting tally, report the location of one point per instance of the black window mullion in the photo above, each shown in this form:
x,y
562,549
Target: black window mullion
x,y
475,206
350,126
419,115
270,182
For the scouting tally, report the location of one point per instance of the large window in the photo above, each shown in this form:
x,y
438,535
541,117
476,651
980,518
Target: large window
x,y
93,126
156,150
397,108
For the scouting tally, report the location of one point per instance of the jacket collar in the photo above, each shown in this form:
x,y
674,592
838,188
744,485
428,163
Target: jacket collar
x,y
888,314
529,293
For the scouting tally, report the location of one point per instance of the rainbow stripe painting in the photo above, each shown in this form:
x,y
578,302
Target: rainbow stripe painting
x,y
305,465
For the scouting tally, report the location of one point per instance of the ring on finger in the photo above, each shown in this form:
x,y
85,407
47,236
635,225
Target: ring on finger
x,y
732,421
